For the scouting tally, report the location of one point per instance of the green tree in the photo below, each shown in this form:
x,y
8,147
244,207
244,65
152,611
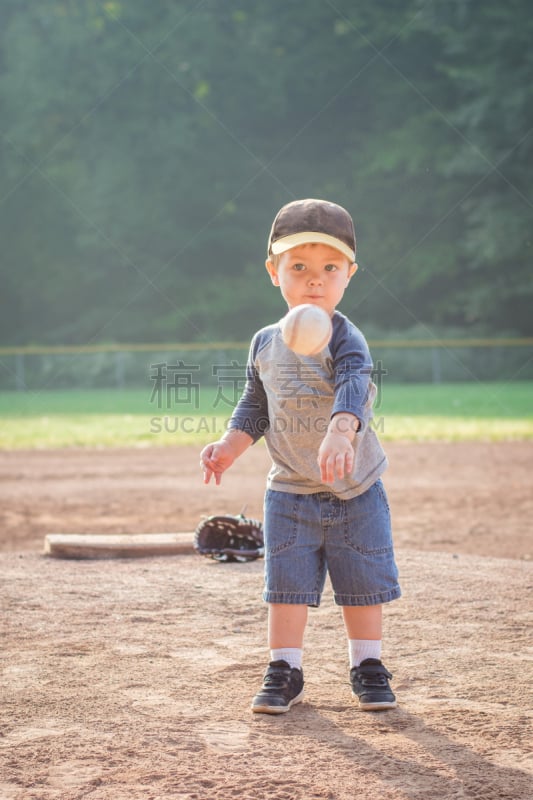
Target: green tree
x,y
472,131
145,150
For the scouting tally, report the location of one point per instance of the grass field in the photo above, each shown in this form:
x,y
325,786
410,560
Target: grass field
x,y
419,412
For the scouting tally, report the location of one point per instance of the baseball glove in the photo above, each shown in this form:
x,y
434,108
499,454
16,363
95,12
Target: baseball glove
x,y
229,538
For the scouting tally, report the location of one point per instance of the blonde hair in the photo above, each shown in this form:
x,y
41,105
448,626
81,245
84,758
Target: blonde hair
x,y
274,259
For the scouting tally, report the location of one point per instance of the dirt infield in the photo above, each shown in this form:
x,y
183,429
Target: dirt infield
x,y
464,498
131,679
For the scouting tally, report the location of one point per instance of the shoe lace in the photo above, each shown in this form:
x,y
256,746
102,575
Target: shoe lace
x,y
276,678
374,677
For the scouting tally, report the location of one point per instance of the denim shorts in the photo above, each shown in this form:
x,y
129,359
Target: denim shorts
x,y
308,536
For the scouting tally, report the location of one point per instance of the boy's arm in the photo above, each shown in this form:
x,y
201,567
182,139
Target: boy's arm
x,y
336,454
247,424
351,407
217,457
251,413
352,367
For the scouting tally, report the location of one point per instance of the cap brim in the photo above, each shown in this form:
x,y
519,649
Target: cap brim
x,y
311,237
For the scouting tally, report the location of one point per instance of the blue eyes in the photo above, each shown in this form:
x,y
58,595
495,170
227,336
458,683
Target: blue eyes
x,y
328,267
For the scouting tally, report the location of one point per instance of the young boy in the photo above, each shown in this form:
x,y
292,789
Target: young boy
x,y
325,506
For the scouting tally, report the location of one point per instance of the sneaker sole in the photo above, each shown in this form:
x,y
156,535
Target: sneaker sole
x,y
374,706
278,709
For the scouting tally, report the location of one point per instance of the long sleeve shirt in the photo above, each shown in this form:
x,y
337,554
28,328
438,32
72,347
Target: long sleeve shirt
x,y
290,399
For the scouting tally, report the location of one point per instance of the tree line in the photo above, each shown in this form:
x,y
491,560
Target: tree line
x,y
146,147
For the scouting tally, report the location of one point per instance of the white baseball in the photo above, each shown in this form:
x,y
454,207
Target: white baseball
x,y
306,329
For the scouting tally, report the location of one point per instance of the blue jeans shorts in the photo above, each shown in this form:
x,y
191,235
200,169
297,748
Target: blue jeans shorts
x,y
308,536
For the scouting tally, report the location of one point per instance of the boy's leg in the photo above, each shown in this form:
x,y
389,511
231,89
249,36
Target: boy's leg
x,y
368,676
283,682
363,622
295,572
286,625
360,558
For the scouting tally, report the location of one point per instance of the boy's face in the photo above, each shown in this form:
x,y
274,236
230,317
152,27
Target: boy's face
x,y
312,273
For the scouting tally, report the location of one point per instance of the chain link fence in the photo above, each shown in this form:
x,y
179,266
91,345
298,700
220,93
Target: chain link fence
x,y
182,367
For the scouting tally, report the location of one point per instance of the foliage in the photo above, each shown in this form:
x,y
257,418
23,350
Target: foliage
x,y
146,147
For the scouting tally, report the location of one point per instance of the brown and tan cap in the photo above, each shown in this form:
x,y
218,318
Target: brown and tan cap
x,y
312,221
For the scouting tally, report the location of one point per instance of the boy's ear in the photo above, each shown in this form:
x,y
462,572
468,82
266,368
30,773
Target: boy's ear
x,y
272,271
352,269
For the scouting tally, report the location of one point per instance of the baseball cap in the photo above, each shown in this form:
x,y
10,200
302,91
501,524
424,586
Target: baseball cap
x,y
312,221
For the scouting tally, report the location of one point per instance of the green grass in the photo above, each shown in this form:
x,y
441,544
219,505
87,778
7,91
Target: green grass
x,y
421,412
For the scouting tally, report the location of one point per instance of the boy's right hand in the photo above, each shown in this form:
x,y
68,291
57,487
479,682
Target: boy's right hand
x,y
215,459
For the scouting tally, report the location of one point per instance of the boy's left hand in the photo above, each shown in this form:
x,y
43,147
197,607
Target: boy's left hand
x,y
335,457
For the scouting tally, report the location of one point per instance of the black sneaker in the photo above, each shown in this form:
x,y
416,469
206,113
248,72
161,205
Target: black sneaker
x,y
282,687
370,684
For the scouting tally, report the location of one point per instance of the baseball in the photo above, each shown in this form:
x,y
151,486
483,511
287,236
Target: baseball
x,y
306,329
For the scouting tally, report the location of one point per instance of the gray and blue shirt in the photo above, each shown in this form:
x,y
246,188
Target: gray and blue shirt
x,y
290,399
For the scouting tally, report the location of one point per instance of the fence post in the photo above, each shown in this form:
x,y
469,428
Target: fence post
x,y
436,365
20,377
119,369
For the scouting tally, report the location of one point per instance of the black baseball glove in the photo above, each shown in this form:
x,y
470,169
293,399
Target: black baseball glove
x,y
230,538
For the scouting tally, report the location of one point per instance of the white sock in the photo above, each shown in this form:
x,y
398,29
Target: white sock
x,y
360,649
292,655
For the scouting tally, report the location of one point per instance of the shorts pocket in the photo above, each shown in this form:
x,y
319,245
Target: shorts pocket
x,y
381,489
368,525
280,520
